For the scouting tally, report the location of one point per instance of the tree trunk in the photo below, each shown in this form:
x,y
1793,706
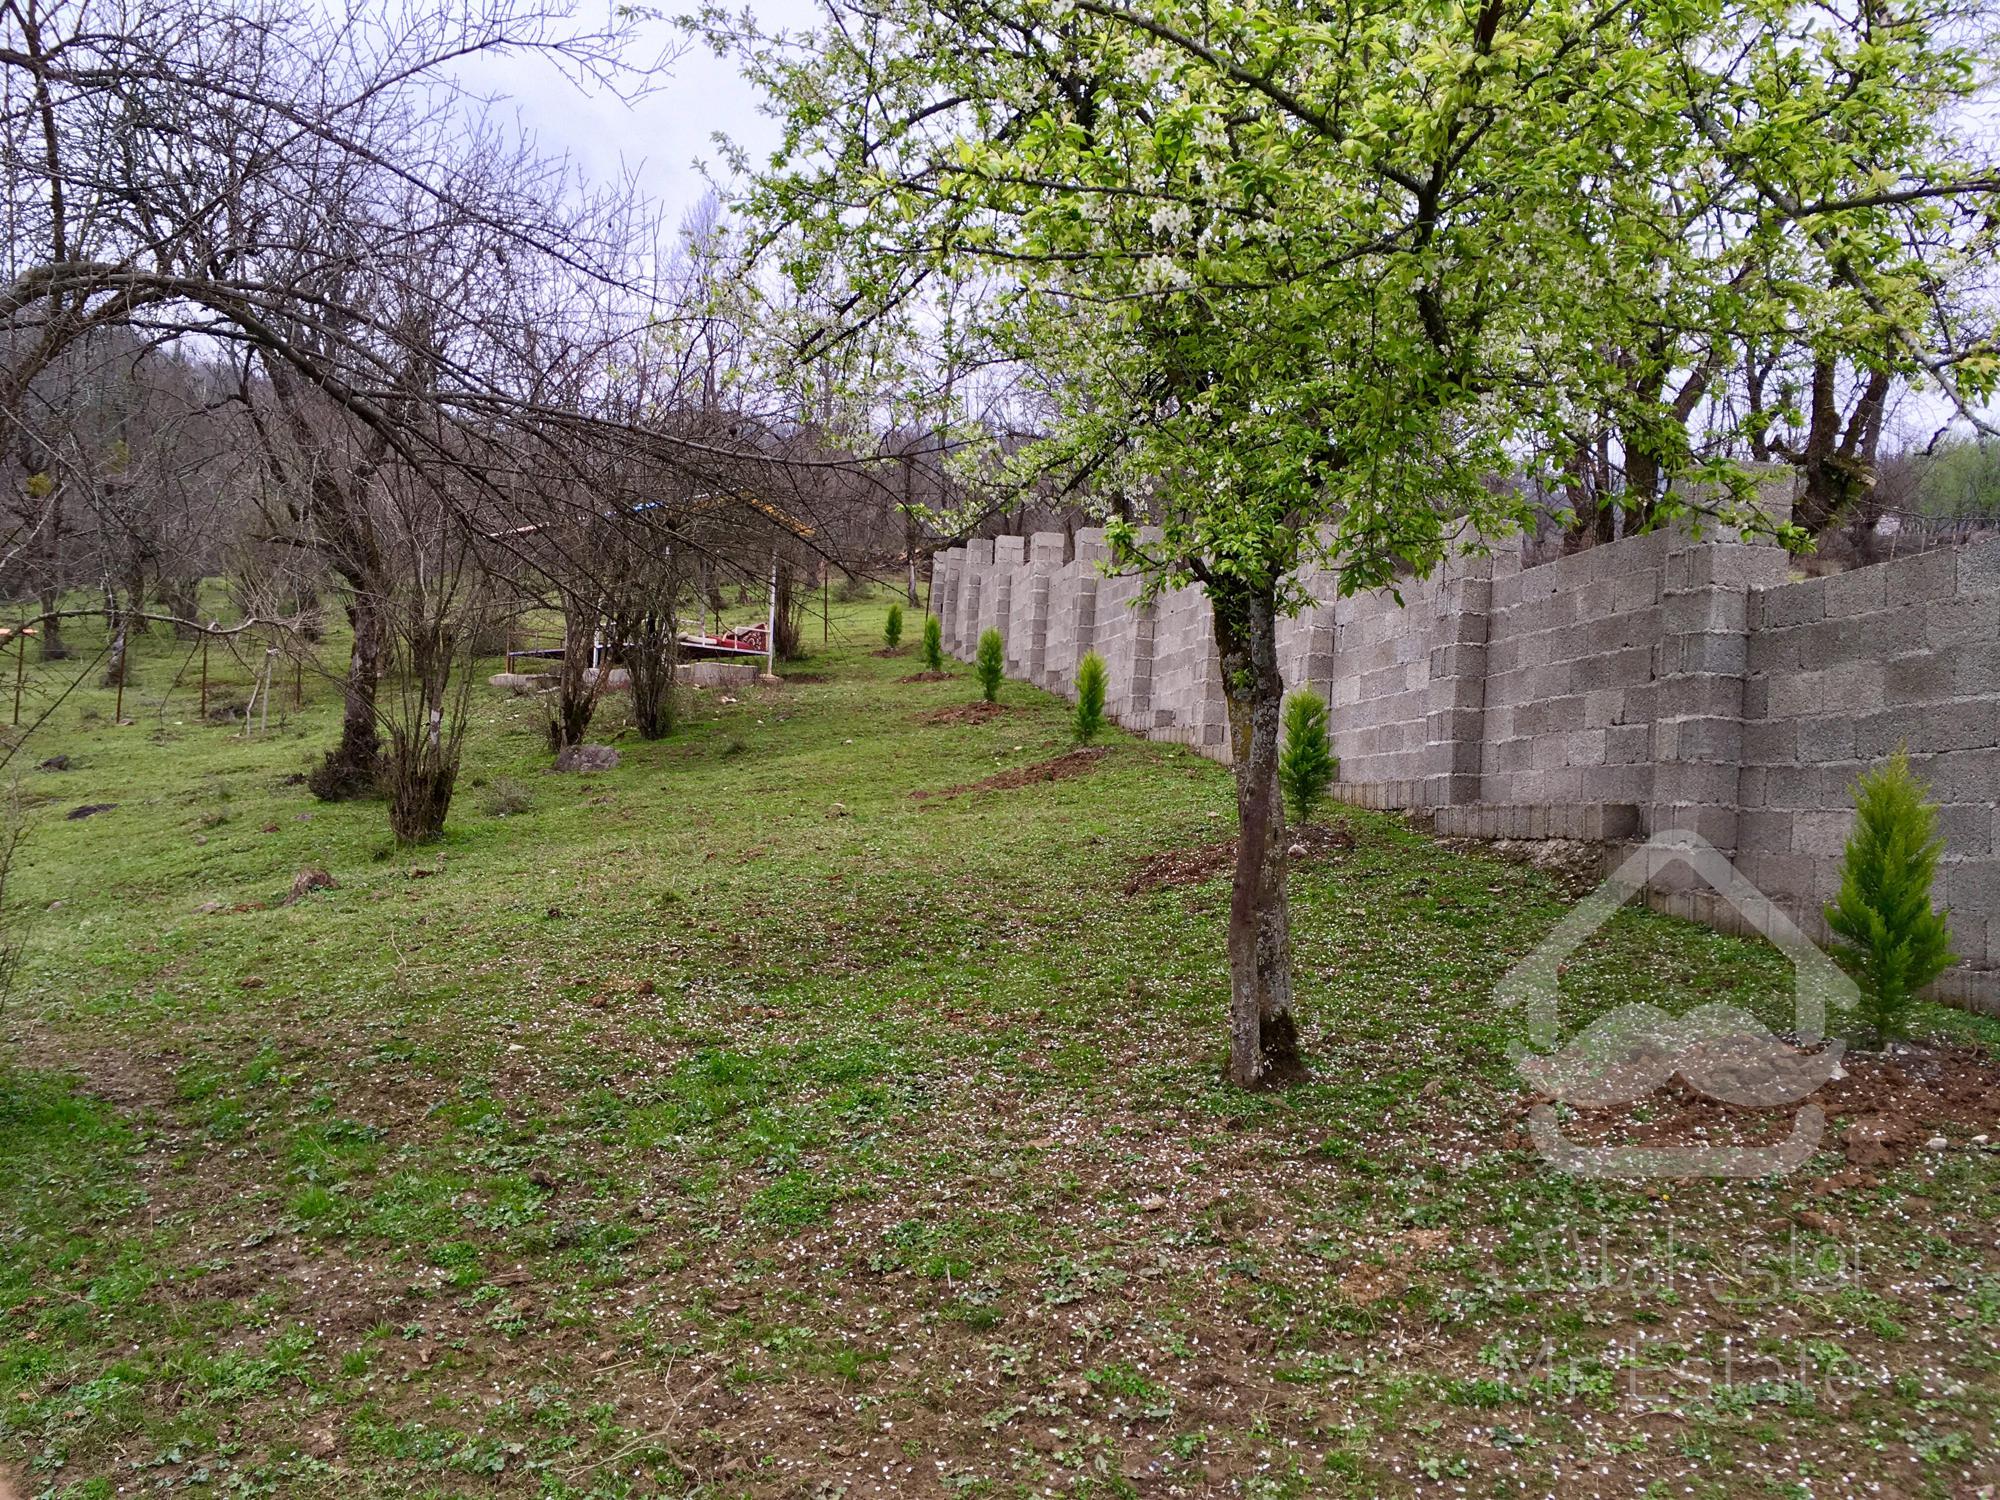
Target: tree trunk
x,y
182,599
790,614
1263,1038
577,686
53,648
353,767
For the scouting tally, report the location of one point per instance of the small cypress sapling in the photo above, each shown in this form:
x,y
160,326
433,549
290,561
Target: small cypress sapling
x,y
933,644
990,663
1091,679
892,628
1306,766
1891,941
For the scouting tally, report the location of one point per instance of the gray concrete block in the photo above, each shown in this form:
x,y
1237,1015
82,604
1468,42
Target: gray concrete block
x,y
1826,739
1821,832
1791,604
1978,568
1764,830
1968,619
1770,741
1967,828
1857,591
1922,577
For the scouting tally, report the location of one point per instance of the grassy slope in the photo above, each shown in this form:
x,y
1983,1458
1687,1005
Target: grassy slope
x,y
736,1123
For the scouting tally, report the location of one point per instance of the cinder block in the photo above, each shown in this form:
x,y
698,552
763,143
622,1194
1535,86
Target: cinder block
x,y
1628,744
1710,695
1635,591
1764,830
1822,832
1048,549
1971,618
1603,708
1706,611
1715,653
1979,568
1791,604
1974,669
1958,726
1770,741
1826,739
1718,740
1924,678
1971,886
1922,577
1858,591
1967,829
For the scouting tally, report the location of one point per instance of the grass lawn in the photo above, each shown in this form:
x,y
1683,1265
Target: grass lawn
x,y
738,1123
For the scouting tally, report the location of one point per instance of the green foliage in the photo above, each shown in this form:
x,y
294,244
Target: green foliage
x,y
989,665
1892,942
892,628
933,644
1091,678
1310,284
1961,481
1306,766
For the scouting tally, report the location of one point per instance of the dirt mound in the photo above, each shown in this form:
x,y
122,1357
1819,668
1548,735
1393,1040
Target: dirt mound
x,y
1886,1107
1901,1099
1203,862
926,677
1060,768
965,713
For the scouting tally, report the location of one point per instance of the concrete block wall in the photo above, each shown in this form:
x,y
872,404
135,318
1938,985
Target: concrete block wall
x,y
1843,671
1657,682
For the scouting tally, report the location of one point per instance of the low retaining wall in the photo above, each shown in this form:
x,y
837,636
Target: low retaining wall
x,y
1653,683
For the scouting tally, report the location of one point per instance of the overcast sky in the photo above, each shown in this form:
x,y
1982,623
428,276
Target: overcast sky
x,y
660,138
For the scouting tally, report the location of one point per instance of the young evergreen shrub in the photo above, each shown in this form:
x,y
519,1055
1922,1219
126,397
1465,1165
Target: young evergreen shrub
x,y
1890,940
1306,766
892,628
1091,678
933,644
990,663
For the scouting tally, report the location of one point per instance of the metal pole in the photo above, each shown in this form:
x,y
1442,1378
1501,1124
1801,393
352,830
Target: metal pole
x,y
204,674
826,606
20,666
771,624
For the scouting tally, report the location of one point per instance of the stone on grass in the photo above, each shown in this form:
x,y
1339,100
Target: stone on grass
x,y
586,758
309,880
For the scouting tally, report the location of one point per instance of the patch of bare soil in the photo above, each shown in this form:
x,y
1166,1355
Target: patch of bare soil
x,y
926,677
1887,1107
889,651
8,1489
1577,867
1203,862
1060,768
965,713
1372,1280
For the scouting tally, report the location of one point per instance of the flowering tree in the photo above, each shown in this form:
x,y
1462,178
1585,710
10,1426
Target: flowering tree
x,y
1308,280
